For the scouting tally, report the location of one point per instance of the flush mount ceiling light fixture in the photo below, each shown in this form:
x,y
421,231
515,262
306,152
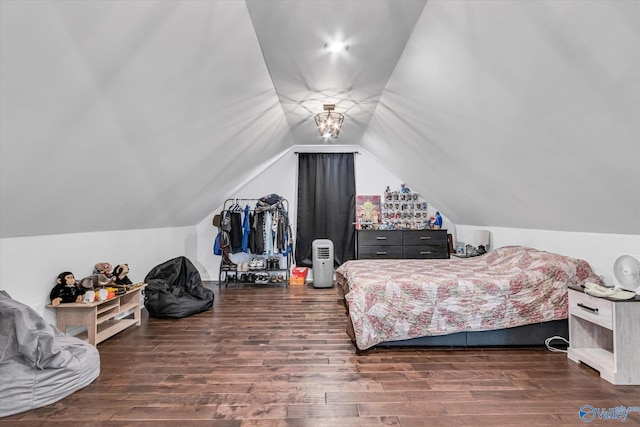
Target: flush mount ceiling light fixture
x,y
329,123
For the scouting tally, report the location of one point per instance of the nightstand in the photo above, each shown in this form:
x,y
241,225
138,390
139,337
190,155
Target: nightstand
x,y
605,334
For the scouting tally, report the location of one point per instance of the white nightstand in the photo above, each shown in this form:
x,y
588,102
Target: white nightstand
x,y
605,334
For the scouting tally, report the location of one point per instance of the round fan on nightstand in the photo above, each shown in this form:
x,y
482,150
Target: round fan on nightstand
x,y
626,270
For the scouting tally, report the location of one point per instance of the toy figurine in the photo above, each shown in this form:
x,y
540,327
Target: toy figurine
x,y
438,222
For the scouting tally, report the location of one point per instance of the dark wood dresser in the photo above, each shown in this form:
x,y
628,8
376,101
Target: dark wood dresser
x,y
402,244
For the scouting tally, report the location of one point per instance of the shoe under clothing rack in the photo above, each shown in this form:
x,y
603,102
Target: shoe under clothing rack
x,y
246,268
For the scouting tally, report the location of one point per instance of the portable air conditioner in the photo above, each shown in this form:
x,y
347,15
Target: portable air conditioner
x,y
322,250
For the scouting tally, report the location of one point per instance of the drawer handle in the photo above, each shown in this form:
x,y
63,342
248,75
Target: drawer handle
x,y
425,237
381,253
381,237
586,307
425,252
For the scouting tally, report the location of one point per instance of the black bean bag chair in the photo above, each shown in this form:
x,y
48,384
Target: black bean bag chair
x,y
174,290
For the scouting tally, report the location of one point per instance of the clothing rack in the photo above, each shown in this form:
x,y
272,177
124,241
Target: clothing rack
x,y
266,267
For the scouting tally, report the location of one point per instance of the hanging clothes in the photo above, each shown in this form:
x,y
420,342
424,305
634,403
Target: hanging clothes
x,y
274,230
246,230
236,232
257,233
282,233
252,233
266,230
225,240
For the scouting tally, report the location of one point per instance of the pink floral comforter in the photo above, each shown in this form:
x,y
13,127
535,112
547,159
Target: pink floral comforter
x,y
392,300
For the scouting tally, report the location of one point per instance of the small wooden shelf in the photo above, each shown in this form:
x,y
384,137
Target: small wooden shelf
x,y
128,306
107,305
105,317
112,327
100,317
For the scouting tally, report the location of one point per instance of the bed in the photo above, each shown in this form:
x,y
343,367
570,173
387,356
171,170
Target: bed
x,y
513,295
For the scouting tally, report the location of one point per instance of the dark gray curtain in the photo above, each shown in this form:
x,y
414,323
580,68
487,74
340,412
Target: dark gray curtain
x,y
326,205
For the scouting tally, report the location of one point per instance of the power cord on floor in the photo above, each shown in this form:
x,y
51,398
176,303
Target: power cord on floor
x,y
547,342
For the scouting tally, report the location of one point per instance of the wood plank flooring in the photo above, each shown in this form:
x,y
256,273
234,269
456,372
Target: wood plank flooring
x,y
274,356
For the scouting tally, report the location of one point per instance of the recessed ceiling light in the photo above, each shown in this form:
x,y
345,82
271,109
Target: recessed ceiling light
x,y
336,46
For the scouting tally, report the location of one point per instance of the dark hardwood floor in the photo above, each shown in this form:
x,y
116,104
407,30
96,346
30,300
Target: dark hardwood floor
x,y
274,356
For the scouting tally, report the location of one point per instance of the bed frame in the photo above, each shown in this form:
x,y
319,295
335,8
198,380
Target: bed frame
x,y
533,335
525,336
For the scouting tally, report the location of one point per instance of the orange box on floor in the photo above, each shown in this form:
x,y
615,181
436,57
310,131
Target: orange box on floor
x,y
298,275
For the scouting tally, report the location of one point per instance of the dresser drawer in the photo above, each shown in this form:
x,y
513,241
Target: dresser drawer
x,y
398,244
595,310
379,252
425,237
425,251
379,238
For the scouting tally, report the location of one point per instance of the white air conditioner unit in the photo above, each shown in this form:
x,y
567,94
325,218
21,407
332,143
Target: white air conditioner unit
x,y
626,270
322,251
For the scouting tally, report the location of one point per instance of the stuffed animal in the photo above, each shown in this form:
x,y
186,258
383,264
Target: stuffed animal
x,y
66,289
120,272
103,268
95,282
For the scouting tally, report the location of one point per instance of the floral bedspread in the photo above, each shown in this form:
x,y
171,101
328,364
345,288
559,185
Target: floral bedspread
x,y
392,300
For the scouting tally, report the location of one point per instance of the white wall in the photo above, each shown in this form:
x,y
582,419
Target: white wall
x,y
281,177
29,266
599,250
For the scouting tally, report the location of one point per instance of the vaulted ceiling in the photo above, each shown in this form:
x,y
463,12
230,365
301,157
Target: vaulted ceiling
x,y
144,114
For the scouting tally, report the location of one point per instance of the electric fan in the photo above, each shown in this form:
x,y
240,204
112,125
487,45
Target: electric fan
x,y
626,270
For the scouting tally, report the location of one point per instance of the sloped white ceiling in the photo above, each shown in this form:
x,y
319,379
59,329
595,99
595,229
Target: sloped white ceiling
x,y
306,74
128,115
144,114
519,114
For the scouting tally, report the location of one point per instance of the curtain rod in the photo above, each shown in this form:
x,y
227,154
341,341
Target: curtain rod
x,y
321,152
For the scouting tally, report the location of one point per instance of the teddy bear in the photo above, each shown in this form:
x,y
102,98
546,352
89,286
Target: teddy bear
x,y
66,290
120,273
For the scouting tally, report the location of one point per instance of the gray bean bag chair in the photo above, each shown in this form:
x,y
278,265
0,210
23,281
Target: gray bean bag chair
x,y
38,364
174,290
